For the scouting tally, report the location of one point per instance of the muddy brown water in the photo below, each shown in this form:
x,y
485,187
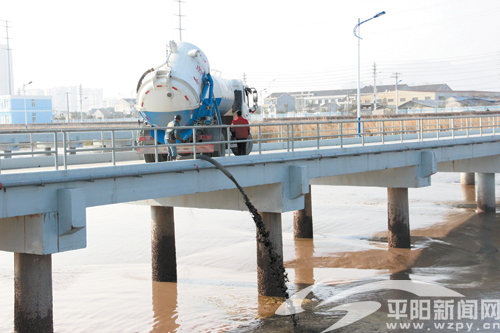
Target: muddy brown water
x,y
107,287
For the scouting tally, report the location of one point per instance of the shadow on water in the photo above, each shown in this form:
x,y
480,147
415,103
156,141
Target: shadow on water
x,y
462,254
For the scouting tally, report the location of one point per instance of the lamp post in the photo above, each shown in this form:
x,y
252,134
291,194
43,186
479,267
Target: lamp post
x,y
357,27
25,114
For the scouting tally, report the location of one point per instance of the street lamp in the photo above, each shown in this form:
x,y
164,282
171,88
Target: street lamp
x,y
25,114
357,27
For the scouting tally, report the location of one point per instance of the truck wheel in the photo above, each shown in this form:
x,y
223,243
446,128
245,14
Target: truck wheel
x,y
249,146
150,158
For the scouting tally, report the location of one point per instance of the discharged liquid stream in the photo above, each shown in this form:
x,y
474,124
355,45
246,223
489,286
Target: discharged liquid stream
x,y
278,270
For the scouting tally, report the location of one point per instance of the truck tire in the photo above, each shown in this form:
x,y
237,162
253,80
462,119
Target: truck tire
x,y
150,158
249,146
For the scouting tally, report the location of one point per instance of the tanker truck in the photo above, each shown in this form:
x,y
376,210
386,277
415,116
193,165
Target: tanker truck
x,y
184,86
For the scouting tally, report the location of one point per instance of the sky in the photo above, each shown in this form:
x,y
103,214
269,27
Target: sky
x,y
277,45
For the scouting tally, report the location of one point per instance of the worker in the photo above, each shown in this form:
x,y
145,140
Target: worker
x,y
171,135
240,133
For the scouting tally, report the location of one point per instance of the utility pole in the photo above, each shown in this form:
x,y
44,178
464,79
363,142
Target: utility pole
x,y
396,76
375,87
244,77
180,20
8,56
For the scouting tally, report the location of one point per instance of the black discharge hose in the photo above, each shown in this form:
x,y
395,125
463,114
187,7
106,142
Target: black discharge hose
x,y
278,270
142,78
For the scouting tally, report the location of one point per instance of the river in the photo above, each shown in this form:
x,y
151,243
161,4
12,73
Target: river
x,y
107,287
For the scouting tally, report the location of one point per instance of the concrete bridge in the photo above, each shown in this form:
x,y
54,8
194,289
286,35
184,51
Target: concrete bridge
x,y
43,213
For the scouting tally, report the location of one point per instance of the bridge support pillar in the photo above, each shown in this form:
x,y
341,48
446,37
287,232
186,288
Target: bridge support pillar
x,y
163,256
486,192
398,218
270,279
302,219
33,293
467,178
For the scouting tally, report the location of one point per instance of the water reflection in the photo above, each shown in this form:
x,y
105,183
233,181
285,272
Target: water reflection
x,y
165,307
304,268
469,194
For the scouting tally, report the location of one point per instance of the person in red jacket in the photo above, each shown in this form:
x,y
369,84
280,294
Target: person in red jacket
x,y
240,133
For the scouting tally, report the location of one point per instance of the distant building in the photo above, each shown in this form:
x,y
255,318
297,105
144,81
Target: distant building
x,y
279,102
419,104
65,96
6,71
103,113
38,109
387,97
125,106
460,102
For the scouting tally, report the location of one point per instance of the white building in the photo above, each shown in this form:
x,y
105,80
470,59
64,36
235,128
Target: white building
x,y
6,71
125,105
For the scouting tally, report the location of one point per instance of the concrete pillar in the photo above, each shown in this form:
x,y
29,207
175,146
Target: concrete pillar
x,y
269,278
163,255
398,218
467,178
33,293
302,219
486,192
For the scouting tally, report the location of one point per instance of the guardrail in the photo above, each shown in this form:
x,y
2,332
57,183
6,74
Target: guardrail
x,y
286,136
257,117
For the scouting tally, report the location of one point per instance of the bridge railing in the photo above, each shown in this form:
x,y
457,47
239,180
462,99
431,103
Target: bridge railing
x,y
283,136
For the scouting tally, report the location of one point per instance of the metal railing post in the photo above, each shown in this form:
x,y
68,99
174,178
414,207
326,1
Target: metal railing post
x,y
102,141
341,135
64,152
362,133
31,144
56,160
228,136
260,140
481,126
401,130
383,131
317,134
438,128
113,156
194,144
467,126
293,139
287,137
156,144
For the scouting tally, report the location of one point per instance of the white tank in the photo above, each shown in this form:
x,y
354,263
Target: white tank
x,y
176,87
